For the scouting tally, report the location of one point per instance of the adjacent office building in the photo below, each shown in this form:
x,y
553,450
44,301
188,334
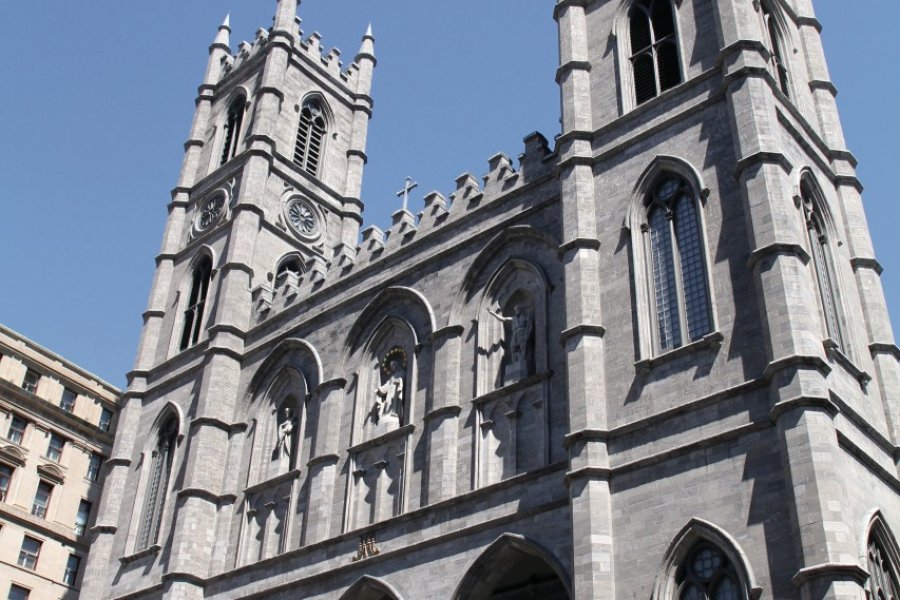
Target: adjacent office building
x,y
56,428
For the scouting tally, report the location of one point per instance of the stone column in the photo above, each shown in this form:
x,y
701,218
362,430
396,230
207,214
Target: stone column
x,y
322,468
588,481
442,421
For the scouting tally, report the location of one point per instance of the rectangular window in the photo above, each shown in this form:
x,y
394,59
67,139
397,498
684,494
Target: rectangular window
x,y
67,403
55,447
16,430
6,473
83,517
17,592
28,555
105,419
42,500
93,472
71,572
30,383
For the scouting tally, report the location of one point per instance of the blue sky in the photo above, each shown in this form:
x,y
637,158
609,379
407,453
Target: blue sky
x,y
98,97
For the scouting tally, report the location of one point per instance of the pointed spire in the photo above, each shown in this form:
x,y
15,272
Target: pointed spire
x,y
367,48
223,37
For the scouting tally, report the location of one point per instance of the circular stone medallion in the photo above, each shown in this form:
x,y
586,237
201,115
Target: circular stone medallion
x,y
209,213
303,218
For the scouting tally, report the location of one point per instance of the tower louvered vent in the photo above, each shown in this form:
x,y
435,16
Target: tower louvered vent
x,y
310,137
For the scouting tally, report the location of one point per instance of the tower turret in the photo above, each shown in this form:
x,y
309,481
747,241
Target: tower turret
x,y
365,62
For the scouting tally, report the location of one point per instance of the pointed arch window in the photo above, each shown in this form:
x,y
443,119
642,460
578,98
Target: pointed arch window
x,y
161,460
822,262
233,124
883,582
707,574
882,557
310,136
775,44
193,314
654,59
677,265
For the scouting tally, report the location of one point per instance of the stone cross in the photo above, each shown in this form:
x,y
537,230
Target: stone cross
x,y
408,186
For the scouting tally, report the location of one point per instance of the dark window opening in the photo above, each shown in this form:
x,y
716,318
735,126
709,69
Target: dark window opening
x,y
654,50
233,124
310,137
193,314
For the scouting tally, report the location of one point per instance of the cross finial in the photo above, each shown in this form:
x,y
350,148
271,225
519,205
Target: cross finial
x,y
408,186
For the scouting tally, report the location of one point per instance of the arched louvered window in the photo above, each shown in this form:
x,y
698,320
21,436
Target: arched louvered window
x,y
680,295
193,313
883,583
822,262
158,482
310,137
707,574
775,45
233,124
654,48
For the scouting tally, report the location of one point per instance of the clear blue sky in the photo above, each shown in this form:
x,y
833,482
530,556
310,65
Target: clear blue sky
x,y
97,99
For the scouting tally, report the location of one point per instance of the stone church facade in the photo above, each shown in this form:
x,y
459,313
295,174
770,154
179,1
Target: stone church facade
x,y
650,360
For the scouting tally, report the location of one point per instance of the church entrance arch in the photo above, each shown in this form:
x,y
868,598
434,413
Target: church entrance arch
x,y
513,568
370,588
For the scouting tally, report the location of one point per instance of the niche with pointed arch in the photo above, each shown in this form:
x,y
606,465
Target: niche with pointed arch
x,y
272,476
512,375
385,399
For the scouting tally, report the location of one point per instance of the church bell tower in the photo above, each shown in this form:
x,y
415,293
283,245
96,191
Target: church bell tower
x,y
268,199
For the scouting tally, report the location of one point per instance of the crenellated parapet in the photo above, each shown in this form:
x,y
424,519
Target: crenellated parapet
x,y
470,197
311,47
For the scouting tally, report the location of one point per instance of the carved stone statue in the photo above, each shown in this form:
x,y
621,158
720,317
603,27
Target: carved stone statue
x,y
389,395
285,445
516,343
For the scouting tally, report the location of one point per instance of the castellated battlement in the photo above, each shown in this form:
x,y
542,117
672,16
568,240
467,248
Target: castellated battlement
x,y
469,195
311,47
502,181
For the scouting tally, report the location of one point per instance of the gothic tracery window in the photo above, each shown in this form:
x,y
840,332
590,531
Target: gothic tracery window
x,y
654,48
707,574
161,460
193,313
822,263
883,583
310,137
679,290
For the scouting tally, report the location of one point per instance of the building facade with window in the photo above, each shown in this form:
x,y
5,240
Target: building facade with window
x,y
56,430
650,360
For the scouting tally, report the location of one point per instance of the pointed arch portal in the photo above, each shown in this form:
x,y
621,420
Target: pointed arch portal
x,y
370,588
513,568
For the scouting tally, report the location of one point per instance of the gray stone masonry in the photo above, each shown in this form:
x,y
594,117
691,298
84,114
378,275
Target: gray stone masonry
x,y
480,399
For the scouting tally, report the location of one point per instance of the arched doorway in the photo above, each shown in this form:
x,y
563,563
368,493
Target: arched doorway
x,y
370,588
513,568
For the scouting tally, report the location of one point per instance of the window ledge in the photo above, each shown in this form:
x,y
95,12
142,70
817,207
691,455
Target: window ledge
x,y
274,481
513,387
148,551
403,431
710,340
837,355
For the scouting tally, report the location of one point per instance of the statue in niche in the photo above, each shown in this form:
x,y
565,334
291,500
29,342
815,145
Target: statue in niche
x,y
284,447
389,396
516,342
